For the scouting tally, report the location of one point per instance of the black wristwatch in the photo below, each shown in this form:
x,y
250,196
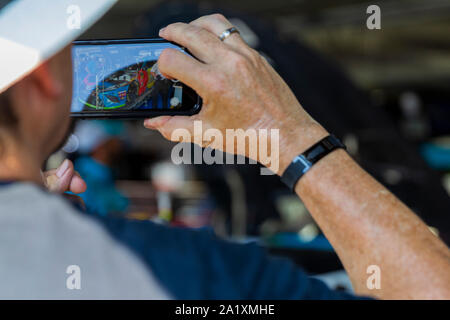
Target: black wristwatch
x,y
303,162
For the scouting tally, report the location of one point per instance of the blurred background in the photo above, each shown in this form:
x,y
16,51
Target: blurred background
x,y
385,93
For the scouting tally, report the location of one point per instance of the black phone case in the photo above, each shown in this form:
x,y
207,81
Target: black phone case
x,y
133,114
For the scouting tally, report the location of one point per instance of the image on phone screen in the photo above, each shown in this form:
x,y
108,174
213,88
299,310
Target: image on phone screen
x,y
117,77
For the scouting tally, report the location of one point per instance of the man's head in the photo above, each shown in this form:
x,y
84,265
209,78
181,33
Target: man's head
x,y
34,113
36,79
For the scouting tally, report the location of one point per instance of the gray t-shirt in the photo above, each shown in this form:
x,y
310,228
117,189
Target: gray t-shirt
x,y
48,250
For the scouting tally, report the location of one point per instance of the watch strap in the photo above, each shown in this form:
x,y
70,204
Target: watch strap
x,y
304,162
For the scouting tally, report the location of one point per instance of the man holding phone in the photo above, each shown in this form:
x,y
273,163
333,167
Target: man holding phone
x,y
365,223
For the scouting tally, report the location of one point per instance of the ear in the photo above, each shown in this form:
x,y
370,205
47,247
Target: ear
x,y
46,81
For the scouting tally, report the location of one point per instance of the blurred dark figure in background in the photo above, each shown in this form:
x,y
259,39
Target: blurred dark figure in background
x,y
100,145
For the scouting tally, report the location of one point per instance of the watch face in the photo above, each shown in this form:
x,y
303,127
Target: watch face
x,y
301,163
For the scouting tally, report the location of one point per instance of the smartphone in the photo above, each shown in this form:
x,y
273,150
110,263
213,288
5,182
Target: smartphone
x,y
121,79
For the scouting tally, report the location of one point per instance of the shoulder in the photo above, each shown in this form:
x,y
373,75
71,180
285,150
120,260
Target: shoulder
x,y
46,225
191,264
196,264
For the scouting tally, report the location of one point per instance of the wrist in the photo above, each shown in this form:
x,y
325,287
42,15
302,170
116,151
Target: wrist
x,y
296,139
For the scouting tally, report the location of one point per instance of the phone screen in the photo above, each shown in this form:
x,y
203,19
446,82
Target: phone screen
x,y
121,78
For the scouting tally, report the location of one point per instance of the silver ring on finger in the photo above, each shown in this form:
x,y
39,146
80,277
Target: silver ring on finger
x,y
228,33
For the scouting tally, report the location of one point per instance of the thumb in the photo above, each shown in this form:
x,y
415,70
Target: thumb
x,y
59,180
172,127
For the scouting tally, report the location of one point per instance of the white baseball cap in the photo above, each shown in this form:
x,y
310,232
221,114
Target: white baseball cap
x,y
32,31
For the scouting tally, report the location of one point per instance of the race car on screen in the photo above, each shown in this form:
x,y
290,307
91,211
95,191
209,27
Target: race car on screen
x,y
125,89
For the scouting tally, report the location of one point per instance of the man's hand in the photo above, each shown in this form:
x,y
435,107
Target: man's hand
x,y
240,89
63,179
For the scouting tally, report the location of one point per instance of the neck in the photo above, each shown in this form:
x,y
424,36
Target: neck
x,y
18,164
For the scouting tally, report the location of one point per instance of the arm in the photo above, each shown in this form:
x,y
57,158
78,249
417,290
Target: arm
x,y
365,223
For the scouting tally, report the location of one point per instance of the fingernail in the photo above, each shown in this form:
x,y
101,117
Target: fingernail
x,y
62,168
161,31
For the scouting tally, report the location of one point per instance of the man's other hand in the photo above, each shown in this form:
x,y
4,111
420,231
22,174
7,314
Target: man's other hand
x,y
63,179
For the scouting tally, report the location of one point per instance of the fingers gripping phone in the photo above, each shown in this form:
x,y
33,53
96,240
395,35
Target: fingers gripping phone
x,y
121,79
